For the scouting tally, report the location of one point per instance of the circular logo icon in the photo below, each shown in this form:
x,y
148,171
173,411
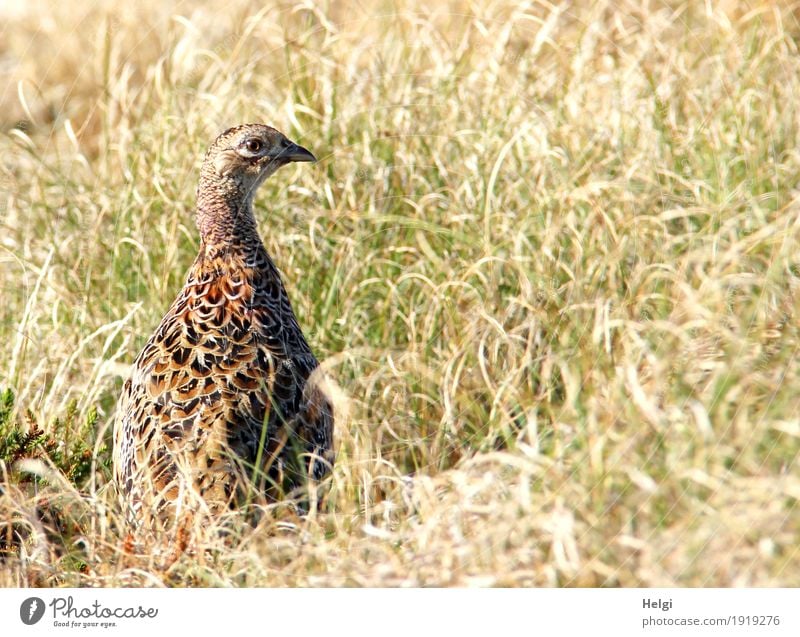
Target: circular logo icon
x,y
31,610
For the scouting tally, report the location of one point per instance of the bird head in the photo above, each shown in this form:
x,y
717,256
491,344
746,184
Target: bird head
x,y
244,156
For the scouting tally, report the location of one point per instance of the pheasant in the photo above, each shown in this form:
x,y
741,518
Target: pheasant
x,y
225,401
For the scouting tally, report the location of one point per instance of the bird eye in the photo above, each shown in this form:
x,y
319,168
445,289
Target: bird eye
x,y
253,145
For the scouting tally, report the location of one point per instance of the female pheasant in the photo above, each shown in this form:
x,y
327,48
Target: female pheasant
x,y
225,400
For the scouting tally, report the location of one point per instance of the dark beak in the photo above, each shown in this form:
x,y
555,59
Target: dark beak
x,y
293,152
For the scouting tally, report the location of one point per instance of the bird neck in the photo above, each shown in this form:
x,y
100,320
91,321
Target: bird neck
x,y
226,222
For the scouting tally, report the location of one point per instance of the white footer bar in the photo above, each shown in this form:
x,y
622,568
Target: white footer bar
x,y
401,612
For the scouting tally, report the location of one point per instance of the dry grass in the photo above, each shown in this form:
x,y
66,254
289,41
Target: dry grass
x,y
549,254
